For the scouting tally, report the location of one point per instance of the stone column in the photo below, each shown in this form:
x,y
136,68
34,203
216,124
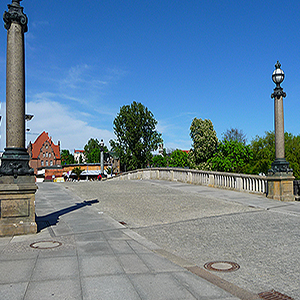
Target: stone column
x,y
15,159
17,181
15,88
280,176
279,128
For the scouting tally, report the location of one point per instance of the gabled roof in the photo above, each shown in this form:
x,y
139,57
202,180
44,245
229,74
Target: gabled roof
x,y
38,144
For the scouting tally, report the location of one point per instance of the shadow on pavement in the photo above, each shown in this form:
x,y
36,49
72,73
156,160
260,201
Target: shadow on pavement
x,y
52,219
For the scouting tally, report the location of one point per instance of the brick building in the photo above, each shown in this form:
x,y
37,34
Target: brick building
x,y
43,152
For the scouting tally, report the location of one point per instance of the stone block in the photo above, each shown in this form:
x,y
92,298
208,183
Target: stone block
x,y
280,187
17,205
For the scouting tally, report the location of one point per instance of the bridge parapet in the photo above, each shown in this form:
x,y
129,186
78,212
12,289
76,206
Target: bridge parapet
x,y
238,182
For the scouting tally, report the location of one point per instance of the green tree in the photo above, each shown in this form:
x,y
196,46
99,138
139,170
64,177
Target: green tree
x,y
231,156
92,151
159,161
136,136
77,171
263,149
234,134
66,157
292,153
204,142
179,159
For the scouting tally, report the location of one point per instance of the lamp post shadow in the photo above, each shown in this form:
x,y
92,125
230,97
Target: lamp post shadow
x,y
53,218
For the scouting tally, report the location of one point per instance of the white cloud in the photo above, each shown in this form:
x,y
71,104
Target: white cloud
x,y
62,125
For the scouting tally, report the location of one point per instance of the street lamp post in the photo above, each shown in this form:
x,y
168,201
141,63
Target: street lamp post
x,y
101,156
17,181
280,176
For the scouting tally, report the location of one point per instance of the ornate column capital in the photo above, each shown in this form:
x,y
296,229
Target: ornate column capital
x,y
15,14
278,92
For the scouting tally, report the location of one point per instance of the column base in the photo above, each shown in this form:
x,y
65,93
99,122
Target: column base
x,y
17,205
280,186
15,161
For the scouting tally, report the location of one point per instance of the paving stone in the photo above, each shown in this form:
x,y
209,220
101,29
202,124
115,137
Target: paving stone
x,y
53,269
157,263
116,287
13,291
94,248
201,288
159,287
99,265
133,264
68,289
16,271
120,247
90,237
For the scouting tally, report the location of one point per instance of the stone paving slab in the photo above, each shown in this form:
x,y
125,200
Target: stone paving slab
x,y
199,224
95,257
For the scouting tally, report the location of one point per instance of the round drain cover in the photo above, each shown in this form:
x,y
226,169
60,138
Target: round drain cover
x,y
221,266
45,245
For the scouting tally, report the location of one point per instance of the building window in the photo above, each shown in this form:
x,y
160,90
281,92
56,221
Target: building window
x,y
44,154
51,163
46,162
49,154
42,162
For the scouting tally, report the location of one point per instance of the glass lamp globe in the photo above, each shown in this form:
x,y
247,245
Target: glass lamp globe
x,y
278,74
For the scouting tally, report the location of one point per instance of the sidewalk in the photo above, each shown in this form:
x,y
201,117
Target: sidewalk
x,y
82,253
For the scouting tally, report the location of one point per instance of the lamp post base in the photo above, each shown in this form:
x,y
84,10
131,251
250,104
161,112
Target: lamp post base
x,y
280,186
15,161
17,205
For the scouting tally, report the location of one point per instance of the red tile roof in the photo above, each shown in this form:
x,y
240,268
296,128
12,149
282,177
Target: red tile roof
x,y
38,144
78,151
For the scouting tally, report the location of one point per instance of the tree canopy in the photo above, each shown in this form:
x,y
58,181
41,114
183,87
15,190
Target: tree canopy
x,y
136,136
234,134
204,141
263,149
66,157
92,150
179,159
159,161
231,156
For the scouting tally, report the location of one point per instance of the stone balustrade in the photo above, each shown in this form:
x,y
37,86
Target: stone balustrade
x,y
238,182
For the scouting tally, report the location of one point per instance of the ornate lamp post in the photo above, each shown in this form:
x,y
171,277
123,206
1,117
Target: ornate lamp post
x,y
280,177
101,159
17,183
15,159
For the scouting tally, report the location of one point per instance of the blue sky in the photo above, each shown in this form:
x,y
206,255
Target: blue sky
x,y
181,59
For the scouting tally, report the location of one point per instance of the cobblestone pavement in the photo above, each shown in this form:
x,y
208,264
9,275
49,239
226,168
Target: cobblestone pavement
x,y
202,224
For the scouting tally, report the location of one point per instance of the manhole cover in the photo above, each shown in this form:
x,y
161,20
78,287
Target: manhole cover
x,y
274,295
45,245
222,266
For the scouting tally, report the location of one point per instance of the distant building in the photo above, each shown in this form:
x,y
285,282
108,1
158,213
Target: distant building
x,y
43,152
79,155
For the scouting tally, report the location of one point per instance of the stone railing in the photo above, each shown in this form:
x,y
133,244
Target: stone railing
x,y
238,182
